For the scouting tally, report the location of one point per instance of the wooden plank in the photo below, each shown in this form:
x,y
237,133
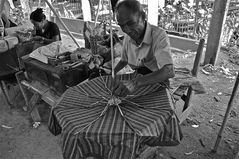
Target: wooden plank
x,y
39,92
215,31
20,76
50,98
33,108
45,93
183,116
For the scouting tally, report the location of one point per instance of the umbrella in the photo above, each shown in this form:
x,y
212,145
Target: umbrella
x,y
93,122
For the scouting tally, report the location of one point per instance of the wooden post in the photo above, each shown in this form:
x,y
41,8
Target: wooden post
x,y
48,11
196,18
215,31
111,42
194,72
153,12
161,3
86,10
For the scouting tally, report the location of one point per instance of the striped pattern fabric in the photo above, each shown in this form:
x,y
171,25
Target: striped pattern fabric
x,y
90,125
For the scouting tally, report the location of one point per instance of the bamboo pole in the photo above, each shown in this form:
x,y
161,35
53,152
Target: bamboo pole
x,y
62,23
111,41
229,107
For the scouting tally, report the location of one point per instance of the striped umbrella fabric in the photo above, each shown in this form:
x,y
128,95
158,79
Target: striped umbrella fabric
x,y
95,123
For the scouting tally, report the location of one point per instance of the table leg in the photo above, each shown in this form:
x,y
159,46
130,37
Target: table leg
x,y
31,101
20,76
5,93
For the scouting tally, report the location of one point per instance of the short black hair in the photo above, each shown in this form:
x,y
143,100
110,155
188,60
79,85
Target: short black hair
x,y
38,15
133,5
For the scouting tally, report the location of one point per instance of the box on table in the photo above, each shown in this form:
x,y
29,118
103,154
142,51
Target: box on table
x,y
57,78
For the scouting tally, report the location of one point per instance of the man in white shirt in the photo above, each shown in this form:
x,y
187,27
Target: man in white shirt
x,y
146,48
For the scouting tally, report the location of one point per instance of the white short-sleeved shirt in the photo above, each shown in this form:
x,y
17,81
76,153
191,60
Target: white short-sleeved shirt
x,y
154,52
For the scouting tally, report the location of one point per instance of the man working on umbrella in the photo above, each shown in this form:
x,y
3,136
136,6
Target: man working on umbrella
x,y
146,48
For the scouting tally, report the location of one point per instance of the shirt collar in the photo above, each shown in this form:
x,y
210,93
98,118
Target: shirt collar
x,y
147,36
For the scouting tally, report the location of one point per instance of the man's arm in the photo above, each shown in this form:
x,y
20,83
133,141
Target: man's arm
x,y
162,54
161,75
48,41
126,87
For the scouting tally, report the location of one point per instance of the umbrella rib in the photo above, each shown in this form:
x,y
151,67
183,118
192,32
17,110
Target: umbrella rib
x,y
101,101
91,96
124,117
135,104
87,125
109,91
102,113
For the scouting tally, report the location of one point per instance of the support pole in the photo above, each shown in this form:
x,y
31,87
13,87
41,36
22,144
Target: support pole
x,y
97,13
111,41
153,12
161,3
62,23
196,18
215,31
229,107
86,10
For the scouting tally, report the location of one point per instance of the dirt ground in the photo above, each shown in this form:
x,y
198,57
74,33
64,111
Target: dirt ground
x,y
19,140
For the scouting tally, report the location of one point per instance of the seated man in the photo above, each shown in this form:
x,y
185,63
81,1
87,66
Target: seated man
x,y
45,31
146,48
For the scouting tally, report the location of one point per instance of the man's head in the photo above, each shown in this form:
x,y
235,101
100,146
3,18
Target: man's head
x,y
131,18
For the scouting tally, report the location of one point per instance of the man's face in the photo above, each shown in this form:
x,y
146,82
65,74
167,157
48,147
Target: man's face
x,y
37,25
131,24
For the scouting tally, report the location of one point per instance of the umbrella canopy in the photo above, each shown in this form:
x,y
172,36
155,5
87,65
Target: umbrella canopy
x,y
93,122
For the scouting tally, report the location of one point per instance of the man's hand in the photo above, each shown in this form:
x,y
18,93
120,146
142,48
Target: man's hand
x,y
123,88
37,38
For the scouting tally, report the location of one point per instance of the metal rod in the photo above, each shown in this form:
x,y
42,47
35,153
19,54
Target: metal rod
x,y
234,93
111,42
62,23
